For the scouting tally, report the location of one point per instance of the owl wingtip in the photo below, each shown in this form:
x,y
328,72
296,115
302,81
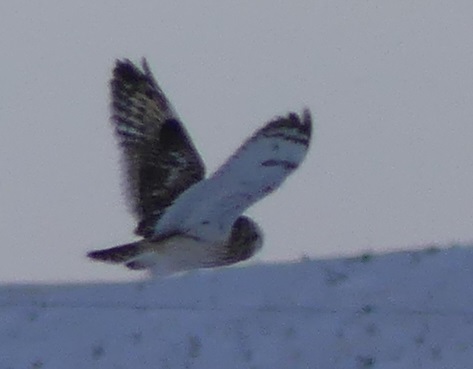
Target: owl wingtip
x,y
306,116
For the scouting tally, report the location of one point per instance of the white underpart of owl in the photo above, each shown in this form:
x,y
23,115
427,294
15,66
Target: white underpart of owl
x,y
209,208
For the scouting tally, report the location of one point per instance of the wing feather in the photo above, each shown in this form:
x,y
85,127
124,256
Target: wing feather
x,y
209,208
160,160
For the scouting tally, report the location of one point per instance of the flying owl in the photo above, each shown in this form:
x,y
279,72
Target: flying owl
x,y
187,221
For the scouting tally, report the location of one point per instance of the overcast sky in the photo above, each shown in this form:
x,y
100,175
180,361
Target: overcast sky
x,y
390,85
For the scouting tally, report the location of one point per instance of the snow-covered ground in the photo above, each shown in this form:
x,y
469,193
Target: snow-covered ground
x,y
402,310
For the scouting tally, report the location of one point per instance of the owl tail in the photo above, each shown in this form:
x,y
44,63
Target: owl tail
x,y
118,254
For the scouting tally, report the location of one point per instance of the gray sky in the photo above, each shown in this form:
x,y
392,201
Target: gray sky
x,y
390,85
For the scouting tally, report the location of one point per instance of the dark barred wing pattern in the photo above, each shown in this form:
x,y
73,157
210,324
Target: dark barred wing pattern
x,y
259,167
160,159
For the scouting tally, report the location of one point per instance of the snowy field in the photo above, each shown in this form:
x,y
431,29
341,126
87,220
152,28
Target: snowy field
x,y
402,310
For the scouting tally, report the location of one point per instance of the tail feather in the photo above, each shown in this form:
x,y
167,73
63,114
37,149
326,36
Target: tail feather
x,y
117,254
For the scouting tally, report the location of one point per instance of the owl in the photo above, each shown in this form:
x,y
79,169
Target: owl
x,y
186,220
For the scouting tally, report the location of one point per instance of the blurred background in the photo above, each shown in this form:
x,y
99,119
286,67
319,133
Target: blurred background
x,y
390,85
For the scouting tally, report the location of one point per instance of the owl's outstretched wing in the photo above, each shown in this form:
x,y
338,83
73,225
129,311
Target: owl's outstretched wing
x,y
209,208
160,159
